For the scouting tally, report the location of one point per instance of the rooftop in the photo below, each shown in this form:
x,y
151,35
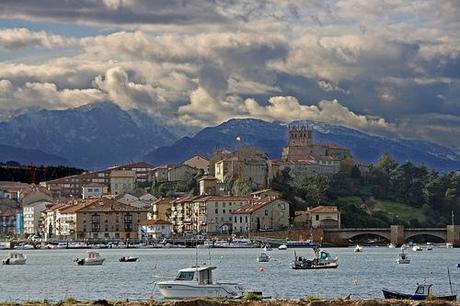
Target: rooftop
x,y
324,209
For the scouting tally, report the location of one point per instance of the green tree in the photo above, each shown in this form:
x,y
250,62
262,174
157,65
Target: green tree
x,y
386,163
315,188
240,187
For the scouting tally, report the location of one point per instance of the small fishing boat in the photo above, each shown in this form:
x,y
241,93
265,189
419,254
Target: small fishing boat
x,y
267,247
449,245
93,259
15,258
391,246
403,258
263,257
358,249
421,293
322,260
282,247
429,246
417,248
196,282
129,259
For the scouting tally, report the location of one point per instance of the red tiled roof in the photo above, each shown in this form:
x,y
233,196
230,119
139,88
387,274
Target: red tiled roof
x,y
254,206
324,209
154,222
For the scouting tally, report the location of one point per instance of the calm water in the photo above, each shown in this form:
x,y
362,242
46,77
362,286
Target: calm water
x,y
51,274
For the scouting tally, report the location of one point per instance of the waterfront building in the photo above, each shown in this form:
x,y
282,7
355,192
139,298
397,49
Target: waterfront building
x,y
32,214
267,213
102,218
161,209
197,161
154,229
8,220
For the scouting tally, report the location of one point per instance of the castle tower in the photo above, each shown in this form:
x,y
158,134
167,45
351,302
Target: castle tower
x,y
300,136
300,143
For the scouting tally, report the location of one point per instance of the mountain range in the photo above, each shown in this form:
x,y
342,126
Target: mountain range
x,y
102,134
91,136
272,136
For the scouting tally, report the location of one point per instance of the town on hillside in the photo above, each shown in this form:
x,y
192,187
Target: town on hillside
x,y
232,193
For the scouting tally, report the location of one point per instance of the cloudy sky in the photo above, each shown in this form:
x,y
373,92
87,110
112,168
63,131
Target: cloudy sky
x,y
386,66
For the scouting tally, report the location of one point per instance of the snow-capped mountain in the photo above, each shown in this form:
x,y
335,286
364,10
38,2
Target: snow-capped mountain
x,y
91,136
271,137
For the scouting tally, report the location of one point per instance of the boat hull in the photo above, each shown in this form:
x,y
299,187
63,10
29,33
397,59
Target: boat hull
x,y
85,262
130,259
389,294
183,291
16,262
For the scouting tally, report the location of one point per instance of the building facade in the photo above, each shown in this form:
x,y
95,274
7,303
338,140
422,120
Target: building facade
x,y
32,216
154,229
197,161
264,214
122,181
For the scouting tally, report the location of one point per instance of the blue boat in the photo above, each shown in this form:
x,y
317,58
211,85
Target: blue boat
x,y
421,293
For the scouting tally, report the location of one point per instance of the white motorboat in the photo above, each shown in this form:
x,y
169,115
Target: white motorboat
x,y
93,259
391,246
263,257
417,248
197,282
15,258
358,249
403,258
267,248
429,246
449,245
282,247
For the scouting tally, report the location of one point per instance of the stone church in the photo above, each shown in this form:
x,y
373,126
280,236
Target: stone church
x,y
301,146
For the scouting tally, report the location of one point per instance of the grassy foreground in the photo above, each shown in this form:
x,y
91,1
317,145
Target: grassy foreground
x,y
220,302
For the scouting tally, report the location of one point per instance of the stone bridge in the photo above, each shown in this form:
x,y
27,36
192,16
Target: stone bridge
x,y
396,234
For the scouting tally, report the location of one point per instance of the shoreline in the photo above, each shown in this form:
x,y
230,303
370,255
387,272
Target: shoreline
x,y
308,301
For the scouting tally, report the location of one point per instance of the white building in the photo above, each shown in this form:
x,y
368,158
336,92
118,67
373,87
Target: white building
x,y
32,214
93,190
154,229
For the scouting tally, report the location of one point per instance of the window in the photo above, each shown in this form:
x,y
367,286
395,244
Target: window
x,y
185,276
128,218
241,219
246,219
266,212
317,217
236,220
95,223
230,219
217,211
223,211
223,204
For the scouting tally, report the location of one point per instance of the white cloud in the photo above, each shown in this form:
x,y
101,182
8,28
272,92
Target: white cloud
x,y
21,38
289,109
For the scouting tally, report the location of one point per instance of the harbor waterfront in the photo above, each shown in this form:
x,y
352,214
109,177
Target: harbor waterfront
x,y
52,274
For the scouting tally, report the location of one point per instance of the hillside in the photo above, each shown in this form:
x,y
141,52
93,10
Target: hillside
x,y
271,137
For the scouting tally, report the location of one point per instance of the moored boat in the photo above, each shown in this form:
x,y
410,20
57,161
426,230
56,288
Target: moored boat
x,y
403,258
417,248
282,247
421,293
391,246
322,260
429,246
129,259
358,249
263,257
15,258
93,259
198,282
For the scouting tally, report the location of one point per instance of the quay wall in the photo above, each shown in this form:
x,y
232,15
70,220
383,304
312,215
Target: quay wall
x,y
220,302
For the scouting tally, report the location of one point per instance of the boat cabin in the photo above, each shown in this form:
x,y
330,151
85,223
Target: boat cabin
x,y
15,255
324,255
93,255
423,289
202,275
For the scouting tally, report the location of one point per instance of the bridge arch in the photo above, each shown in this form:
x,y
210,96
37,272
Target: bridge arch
x,y
369,235
425,237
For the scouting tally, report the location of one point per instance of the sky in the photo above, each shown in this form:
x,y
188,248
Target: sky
x,y
389,67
